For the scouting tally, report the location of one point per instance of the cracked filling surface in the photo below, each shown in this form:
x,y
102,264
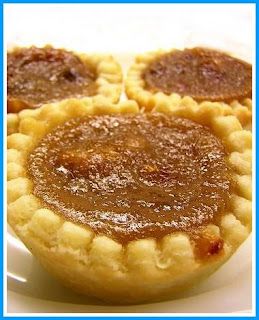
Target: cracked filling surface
x,y
41,75
134,176
200,73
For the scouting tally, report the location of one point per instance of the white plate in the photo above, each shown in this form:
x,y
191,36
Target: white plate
x,y
125,30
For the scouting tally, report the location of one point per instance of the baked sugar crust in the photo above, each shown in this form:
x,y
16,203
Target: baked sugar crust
x,y
136,89
96,265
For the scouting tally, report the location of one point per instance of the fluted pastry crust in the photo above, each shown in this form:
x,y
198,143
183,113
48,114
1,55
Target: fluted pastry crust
x,y
109,84
96,265
136,90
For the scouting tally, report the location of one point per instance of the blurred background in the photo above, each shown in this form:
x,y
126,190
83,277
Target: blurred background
x,y
124,28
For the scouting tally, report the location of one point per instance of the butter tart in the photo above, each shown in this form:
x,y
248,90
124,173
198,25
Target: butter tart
x,y
128,206
192,76
37,76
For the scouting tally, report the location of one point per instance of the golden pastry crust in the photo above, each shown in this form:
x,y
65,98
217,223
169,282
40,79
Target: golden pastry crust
x,y
96,265
109,84
12,123
136,90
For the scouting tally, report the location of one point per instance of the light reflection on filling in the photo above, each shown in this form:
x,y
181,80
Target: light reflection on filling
x,y
133,176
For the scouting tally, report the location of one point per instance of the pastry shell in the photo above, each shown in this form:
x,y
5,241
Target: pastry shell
x,y
96,265
135,89
109,84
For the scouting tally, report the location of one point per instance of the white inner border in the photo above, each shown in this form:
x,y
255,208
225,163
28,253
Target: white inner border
x,y
193,24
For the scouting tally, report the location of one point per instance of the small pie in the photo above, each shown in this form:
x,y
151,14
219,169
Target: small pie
x,y
128,206
192,76
37,76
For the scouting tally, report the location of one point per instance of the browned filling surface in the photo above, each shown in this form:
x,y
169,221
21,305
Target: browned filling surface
x,y
201,73
40,75
133,176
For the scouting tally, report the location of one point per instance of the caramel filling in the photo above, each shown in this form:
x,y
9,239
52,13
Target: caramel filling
x,y
133,176
202,74
40,75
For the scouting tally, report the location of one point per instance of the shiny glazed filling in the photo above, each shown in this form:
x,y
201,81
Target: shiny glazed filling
x,y
133,176
40,75
201,73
